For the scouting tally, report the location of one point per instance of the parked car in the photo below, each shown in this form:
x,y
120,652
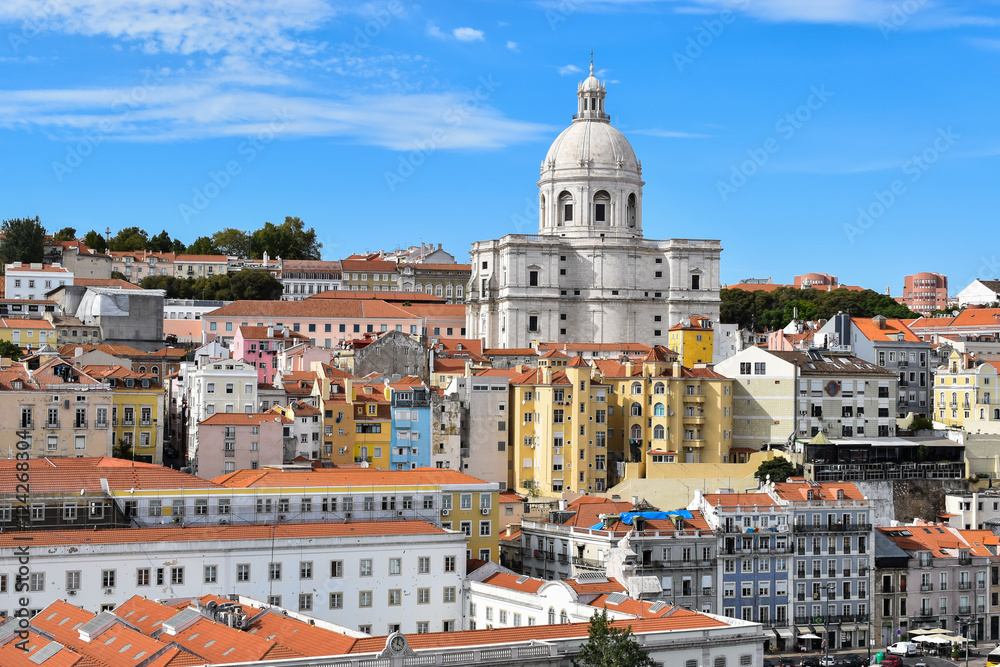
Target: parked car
x,y
891,661
767,663
827,661
809,662
852,661
902,648
787,663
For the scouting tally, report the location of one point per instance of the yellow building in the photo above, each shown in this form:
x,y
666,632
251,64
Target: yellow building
x,y
966,393
137,409
338,414
28,334
693,339
371,414
574,420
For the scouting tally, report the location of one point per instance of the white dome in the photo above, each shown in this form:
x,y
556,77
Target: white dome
x,y
593,145
591,84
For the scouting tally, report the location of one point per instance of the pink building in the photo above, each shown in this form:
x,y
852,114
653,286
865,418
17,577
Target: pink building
x,y
925,292
816,280
260,346
231,441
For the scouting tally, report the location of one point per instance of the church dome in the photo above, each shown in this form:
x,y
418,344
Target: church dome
x,y
593,145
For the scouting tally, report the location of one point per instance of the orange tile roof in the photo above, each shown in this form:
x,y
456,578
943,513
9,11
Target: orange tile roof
x,y
383,296
510,581
25,323
971,317
13,656
799,491
289,531
738,499
106,282
510,351
180,259
244,418
323,477
611,585
465,268
305,639
893,327
45,268
60,620
369,265
631,606
578,362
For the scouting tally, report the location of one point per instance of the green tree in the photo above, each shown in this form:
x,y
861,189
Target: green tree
x,y
129,239
163,243
779,468
232,241
289,240
203,245
610,646
23,241
123,450
65,234
95,241
8,349
255,285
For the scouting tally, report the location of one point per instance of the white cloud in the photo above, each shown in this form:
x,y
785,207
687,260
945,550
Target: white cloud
x,y
569,69
177,26
512,46
468,34
171,110
435,32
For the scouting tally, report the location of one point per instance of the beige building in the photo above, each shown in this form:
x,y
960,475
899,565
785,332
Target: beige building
x,y
200,266
966,394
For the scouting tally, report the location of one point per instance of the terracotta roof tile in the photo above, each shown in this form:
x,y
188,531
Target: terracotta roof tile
x,y
244,419
323,477
333,308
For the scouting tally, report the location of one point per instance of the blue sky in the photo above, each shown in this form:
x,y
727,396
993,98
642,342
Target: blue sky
x,y
854,137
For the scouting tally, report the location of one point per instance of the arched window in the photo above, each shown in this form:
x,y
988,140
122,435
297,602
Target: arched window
x,y
459,292
996,414
565,208
986,398
563,616
635,433
954,398
630,210
155,369
637,409
448,291
142,369
658,432
659,388
982,413
437,291
658,410
636,387
552,615
602,207
541,209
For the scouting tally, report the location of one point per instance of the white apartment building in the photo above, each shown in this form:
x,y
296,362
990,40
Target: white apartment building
x,y
216,385
32,281
382,577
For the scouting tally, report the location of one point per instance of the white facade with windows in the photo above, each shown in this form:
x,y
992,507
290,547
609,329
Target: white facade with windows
x,y
33,281
374,577
589,274
216,385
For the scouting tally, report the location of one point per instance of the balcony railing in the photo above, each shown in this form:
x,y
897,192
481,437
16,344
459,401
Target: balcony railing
x,y
51,424
964,585
926,587
80,423
833,528
966,609
230,453
101,424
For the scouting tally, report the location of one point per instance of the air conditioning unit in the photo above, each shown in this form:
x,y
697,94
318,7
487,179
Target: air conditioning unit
x,y
347,515
281,517
72,591
223,522
445,512
399,513
485,511
109,591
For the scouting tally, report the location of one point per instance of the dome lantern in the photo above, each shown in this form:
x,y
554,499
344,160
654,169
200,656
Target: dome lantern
x,y
590,99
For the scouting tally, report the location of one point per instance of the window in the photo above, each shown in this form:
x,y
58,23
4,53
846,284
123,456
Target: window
x,y
336,600
142,576
449,593
177,576
424,565
395,597
211,574
73,580
243,572
366,567
449,563
305,602
305,569
423,596
364,598
395,566
274,571
108,578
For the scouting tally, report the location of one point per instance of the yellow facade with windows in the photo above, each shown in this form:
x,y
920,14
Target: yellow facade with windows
x,y
966,394
136,418
693,340
28,334
572,424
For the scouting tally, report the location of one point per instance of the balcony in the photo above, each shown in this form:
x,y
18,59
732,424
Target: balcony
x,y
833,528
230,453
980,608
965,560
80,423
146,422
694,419
964,609
694,398
924,588
964,585
924,614
51,424
101,424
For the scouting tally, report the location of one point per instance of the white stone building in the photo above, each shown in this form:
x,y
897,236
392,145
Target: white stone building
x,y
216,385
485,440
378,577
589,274
34,281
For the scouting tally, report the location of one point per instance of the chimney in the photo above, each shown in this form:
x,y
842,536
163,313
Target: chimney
x,y
676,369
270,330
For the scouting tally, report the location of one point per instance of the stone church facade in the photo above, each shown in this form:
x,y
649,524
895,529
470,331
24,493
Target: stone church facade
x,y
589,275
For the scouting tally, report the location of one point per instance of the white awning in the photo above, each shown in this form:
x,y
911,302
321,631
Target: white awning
x,y
785,633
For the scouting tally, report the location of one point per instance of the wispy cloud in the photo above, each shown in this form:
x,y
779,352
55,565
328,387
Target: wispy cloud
x,y
180,26
512,46
669,134
435,32
186,111
468,34
566,70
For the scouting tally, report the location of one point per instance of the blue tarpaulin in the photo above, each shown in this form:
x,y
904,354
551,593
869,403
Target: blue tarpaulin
x,y
626,517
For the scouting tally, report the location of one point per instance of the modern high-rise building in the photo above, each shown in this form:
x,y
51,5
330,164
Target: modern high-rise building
x,y
589,274
925,292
